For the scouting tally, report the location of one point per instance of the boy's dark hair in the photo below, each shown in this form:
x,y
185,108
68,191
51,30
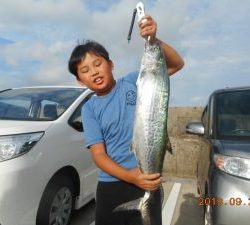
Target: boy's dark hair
x,y
81,50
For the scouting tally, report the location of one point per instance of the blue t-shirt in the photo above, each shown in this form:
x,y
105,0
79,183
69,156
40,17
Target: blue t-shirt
x,y
109,119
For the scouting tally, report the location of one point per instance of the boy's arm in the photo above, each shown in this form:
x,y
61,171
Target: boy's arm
x,y
173,60
148,182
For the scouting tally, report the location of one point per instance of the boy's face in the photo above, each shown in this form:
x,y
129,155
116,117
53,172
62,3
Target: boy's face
x,y
96,73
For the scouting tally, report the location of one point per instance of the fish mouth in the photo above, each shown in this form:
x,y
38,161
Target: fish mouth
x,y
98,80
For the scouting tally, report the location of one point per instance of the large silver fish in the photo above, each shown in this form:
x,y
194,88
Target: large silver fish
x,y
150,139
150,126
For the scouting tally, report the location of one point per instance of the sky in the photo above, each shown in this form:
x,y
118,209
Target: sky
x,y
38,36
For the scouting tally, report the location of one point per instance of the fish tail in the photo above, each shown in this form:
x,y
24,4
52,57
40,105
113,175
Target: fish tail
x,y
140,204
129,206
144,208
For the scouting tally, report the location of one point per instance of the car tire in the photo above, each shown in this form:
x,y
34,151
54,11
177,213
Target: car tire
x,y
57,202
208,215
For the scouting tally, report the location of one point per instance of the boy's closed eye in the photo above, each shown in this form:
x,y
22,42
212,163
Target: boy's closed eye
x,y
84,69
97,62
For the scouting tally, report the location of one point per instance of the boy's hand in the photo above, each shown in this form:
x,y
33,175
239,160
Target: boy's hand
x,y
148,182
148,27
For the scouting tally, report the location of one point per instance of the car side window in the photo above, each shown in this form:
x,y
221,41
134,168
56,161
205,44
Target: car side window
x,y
75,120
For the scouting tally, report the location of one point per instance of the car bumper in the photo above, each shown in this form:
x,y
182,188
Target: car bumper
x,y
235,194
20,191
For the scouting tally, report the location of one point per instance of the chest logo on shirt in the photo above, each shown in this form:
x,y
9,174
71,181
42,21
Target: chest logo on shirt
x,y
131,97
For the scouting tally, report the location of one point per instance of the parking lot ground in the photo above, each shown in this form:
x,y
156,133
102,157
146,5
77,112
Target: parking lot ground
x,y
187,210
180,206
85,215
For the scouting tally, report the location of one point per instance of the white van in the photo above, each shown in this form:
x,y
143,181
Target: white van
x,y
45,170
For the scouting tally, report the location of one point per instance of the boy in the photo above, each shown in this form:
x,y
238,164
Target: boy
x,y
108,125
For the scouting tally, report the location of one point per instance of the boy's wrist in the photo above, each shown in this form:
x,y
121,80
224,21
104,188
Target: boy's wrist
x,y
129,177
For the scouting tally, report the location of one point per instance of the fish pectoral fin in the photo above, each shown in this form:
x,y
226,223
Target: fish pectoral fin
x,y
169,146
170,149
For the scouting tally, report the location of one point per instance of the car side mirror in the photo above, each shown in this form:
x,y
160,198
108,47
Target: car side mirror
x,y
196,128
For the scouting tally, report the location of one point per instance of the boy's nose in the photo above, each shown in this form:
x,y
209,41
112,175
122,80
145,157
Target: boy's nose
x,y
94,72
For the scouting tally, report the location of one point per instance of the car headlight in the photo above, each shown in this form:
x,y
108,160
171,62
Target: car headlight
x,y
233,165
12,146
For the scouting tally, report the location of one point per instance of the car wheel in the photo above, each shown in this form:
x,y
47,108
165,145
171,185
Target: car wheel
x,y
57,202
208,215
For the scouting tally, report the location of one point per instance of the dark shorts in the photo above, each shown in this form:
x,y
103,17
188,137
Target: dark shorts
x,y
112,194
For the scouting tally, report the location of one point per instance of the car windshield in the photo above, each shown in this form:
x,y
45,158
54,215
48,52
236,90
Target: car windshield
x,y
234,114
36,104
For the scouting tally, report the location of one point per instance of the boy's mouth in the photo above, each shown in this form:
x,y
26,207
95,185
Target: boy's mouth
x,y
98,80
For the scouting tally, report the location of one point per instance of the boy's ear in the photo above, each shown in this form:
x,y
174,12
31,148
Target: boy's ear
x,y
79,81
111,64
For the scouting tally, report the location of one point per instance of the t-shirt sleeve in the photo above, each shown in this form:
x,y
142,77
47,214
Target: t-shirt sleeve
x,y
131,77
91,129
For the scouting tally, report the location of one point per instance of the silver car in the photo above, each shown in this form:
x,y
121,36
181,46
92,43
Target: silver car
x,y
223,170
45,170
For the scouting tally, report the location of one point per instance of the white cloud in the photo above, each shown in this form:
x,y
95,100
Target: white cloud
x,y
32,11
212,36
